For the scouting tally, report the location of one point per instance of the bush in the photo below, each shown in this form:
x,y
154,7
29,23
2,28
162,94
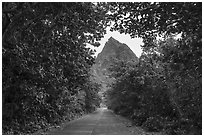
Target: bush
x,y
153,123
139,117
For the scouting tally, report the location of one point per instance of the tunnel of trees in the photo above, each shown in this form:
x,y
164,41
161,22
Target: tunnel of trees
x,y
46,65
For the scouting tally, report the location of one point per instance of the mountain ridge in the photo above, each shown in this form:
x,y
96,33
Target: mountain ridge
x,y
113,50
116,49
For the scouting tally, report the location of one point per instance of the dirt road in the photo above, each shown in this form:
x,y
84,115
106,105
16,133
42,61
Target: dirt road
x,y
101,122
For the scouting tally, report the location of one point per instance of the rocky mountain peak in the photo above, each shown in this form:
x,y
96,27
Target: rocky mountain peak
x,y
114,49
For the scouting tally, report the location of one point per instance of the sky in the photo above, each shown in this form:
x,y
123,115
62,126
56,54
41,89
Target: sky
x,y
134,44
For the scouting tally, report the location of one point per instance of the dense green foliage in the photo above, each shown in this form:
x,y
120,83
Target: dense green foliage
x,y
164,90
46,63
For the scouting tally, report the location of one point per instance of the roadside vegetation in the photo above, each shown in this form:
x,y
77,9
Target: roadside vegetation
x,y
46,65
163,91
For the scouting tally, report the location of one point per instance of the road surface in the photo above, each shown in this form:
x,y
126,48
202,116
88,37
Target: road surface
x,y
101,122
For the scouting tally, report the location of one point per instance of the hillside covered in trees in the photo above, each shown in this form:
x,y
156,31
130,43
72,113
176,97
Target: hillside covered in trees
x,y
47,70
113,50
